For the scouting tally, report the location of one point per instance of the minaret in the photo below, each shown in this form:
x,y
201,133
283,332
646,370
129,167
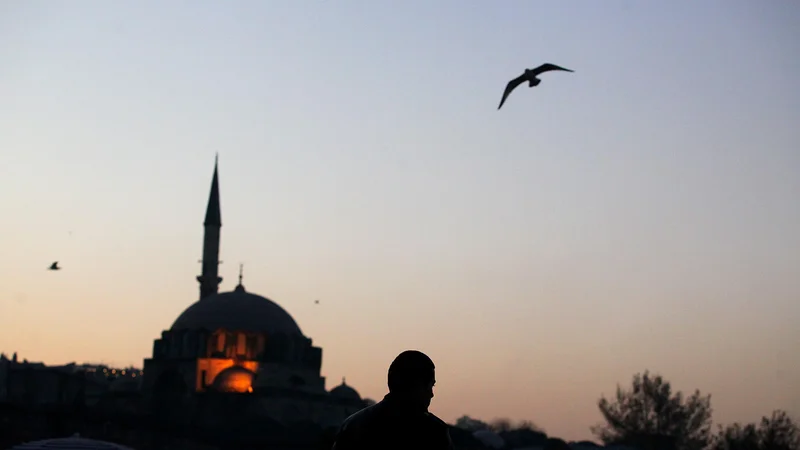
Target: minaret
x,y
210,279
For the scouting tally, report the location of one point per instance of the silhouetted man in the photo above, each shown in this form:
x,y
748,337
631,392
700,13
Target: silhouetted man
x,y
401,420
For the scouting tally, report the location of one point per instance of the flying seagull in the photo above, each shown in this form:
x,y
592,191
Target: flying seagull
x,y
54,266
530,77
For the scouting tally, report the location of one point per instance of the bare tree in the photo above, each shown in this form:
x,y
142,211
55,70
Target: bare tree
x,y
651,416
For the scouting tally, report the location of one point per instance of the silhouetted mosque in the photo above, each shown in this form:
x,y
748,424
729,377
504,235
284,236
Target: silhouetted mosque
x,y
233,371
241,345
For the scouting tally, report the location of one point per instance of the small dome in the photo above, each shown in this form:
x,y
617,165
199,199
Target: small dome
x,y
70,443
345,392
234,379
237,311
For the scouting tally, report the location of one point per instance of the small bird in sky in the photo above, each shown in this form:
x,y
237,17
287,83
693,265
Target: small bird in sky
x,y
316,302
530,76
54,266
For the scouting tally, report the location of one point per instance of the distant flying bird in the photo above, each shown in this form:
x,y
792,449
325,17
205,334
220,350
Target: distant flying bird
x,y
530,76
54,266
316,302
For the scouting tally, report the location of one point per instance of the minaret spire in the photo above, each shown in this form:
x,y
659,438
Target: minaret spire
x,y
209,280
213,215
239,287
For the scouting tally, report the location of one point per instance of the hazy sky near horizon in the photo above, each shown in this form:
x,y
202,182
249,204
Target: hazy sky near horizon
x,y
640,213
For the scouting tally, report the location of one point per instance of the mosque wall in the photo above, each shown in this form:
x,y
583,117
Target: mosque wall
x,y
283,376
156,368
234,344
280,361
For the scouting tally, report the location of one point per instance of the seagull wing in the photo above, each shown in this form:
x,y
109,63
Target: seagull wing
x,y
547,67
511,86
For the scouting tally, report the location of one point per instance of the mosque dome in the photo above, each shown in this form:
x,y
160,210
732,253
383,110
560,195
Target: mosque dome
x,y
238,310
71,443
234,379
345,392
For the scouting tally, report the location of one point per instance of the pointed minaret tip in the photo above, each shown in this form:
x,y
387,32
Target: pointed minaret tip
x,y
213,214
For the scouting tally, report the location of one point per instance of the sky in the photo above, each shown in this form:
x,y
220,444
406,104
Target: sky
x,y
638,214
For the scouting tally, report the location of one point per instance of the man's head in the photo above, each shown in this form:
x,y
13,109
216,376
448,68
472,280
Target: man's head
x,y
412,376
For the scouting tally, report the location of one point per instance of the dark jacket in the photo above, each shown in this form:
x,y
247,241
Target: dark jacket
x,y
389,425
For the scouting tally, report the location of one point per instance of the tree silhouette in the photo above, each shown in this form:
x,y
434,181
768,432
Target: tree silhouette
x,y
651,416
777,432
555,444
736,437
500,425
527,425
524,434
470,424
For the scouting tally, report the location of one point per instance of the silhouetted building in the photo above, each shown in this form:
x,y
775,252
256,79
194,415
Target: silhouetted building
x,y
39,385
241,344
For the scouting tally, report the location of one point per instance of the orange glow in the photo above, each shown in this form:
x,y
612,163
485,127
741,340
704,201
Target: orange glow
x,y
211,367
240,381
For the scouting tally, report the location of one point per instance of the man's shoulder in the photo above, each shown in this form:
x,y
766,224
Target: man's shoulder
x,y
441,430
374,412
437,422
359,417
379,422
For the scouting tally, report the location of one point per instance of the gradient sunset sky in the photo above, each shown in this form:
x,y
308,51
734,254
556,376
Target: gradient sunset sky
x,y
640,213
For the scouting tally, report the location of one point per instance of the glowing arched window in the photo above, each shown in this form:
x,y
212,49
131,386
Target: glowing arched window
x,y
241,344
220,342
